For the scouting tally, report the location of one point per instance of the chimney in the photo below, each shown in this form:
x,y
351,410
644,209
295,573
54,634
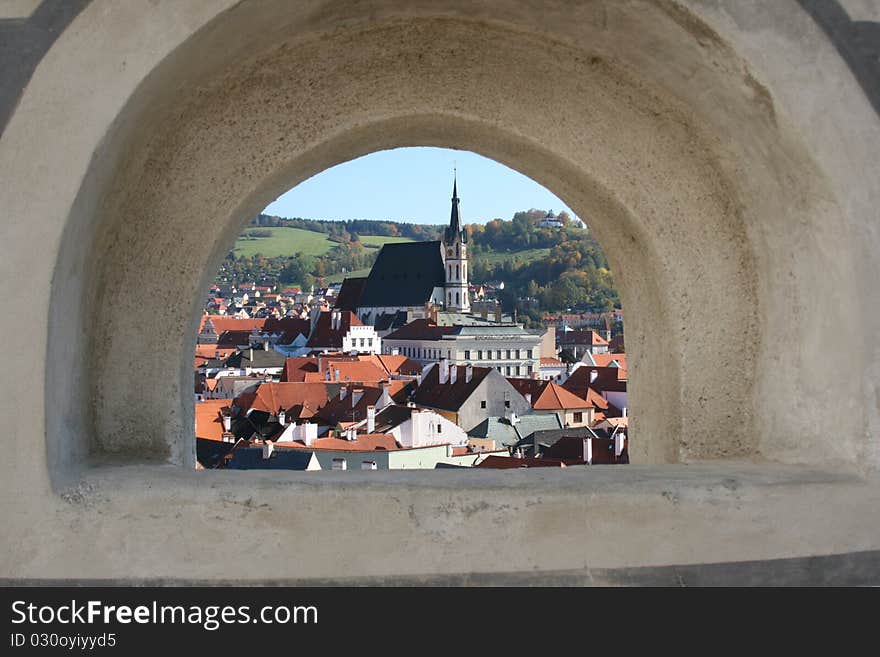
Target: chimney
x,y
268,448
528,397
282,417
624,411
618,443
351,434
251,354
227,423
453,374
444,371
484,311
356,395
385,399
336,374
343,391
594,374
371,419
498,312
588,451
395,351
265,344
468,373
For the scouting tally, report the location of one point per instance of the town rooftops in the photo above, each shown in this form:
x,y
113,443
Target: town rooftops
x,y
299,400
421,329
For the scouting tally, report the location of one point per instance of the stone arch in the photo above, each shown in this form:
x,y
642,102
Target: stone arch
x,y
665,192
744,193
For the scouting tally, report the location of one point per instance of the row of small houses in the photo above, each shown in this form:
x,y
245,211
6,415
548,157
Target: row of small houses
x,y
385,412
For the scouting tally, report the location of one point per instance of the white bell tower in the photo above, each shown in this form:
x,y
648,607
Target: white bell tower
x,y
455,256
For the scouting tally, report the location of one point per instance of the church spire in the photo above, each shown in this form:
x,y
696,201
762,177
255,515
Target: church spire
x,y
455,229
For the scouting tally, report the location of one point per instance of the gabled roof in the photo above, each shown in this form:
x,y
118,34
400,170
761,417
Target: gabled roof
x,y
370,442
323,336
548,396
289,328
404,274
251,458
449,396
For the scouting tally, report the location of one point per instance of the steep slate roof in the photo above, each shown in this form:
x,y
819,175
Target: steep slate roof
x,y
323,336
532,422
391,416
448,396
421,329
350,293
404,274
498,429
388,321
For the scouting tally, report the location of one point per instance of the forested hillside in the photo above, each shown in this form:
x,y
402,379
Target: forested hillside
x,y
543,269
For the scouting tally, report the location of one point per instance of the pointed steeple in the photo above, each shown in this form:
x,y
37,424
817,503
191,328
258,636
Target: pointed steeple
x,y
455,229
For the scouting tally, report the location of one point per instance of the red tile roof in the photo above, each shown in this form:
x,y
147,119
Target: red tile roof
x,y
364,443
549,396
223,324
209,425
299,400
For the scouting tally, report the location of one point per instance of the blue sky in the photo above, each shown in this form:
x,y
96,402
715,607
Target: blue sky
x,y
415,185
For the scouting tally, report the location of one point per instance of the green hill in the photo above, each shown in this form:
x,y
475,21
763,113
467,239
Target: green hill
x,y
287,241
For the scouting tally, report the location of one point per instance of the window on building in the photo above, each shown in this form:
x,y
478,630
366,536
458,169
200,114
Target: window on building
x,y
368,465
578,417
369,342
467,354
439,428
498,355
457,271
507,370
339,464
479,354
483,404
508,354
506,403
457,298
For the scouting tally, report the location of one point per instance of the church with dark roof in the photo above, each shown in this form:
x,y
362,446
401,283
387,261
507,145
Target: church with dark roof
x,y
408,278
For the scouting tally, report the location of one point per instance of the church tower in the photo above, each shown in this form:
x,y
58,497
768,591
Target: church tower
x,y
455,249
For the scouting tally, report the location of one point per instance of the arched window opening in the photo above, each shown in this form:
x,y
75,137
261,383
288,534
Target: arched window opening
x,y
285,356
